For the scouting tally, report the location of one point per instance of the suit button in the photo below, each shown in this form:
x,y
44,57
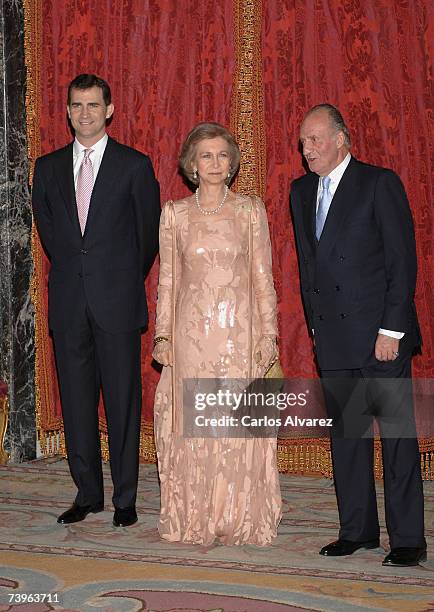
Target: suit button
x,y
84,251
341,258
80,275
343,315
316,291
338,288
320,317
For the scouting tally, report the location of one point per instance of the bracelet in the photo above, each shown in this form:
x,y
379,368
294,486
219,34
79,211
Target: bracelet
x,y
160,339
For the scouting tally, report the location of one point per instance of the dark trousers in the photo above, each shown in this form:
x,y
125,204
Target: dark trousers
x,y
353,459
89,359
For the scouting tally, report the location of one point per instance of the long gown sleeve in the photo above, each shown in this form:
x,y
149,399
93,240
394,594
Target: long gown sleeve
x,y
262,273
163,325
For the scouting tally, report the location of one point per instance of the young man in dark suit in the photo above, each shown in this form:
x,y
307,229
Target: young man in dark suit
x,y
96,206
357,259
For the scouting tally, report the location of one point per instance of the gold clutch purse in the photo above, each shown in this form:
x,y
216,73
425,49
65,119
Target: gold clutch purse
x,y
274,370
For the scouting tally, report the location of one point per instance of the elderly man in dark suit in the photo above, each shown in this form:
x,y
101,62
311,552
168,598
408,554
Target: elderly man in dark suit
x,y
357,259
96,207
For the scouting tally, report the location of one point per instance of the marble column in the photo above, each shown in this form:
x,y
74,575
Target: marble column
x,y
16,310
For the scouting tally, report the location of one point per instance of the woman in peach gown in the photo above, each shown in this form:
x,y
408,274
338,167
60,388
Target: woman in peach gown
x,y
224,489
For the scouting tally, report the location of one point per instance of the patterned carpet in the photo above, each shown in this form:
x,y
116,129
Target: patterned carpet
x,y
92,565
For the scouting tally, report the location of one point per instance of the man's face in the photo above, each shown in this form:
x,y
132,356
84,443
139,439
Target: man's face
x,y
323,146
88,114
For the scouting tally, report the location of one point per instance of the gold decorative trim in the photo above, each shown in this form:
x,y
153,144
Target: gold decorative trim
x,y
4,416
33,62
247,108
306,457
427,465
313,458
43,385
147,452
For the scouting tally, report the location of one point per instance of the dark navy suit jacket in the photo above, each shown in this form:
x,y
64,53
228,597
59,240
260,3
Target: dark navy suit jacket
x,y
109,263
361,275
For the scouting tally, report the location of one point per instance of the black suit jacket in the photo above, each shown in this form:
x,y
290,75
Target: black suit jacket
x,y
361,275
109,263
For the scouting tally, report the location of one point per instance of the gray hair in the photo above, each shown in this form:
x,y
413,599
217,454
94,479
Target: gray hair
x,y
336,119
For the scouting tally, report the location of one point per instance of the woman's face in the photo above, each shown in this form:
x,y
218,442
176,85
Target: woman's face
x,y
212,160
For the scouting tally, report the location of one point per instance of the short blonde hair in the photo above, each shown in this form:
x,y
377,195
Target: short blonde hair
x,y
201,132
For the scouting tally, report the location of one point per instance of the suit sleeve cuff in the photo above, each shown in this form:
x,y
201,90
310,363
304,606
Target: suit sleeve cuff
x,y
392,334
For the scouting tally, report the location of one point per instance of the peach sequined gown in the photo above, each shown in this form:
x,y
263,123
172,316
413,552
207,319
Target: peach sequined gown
x,y
214,489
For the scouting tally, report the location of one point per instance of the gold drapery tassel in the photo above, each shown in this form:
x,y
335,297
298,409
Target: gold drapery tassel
x,y
427,465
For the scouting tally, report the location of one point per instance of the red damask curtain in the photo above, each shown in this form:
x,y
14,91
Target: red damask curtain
x,y
168,68
372,60
256,66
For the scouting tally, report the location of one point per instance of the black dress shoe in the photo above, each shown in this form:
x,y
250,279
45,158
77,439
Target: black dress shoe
x,y
77,513
341,548
124,517
405,556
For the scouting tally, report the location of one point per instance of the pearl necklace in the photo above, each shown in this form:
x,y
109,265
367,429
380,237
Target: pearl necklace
x,y
214,210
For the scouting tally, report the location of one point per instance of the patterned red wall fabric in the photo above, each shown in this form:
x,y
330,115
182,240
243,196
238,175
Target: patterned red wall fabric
x,y
372,60
171,64
168,68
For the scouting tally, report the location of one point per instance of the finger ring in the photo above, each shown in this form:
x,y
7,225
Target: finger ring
x,y
396,353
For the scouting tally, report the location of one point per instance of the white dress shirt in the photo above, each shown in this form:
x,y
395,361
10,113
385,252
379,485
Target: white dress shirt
x,y
335,177
95,157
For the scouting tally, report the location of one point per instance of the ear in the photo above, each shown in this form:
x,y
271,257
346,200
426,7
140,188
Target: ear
x,y
340,140
110,111
68,111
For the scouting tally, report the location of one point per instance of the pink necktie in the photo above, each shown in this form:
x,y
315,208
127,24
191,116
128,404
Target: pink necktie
x,y
84,188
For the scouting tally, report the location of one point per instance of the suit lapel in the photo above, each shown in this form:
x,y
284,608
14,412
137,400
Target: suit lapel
x,y
107,174
339,208
64,174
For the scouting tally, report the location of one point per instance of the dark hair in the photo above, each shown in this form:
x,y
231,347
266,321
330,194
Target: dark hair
x,y
86,81
336,119
200,132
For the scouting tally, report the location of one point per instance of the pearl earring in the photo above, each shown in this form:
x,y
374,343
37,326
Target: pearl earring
x,y
195,175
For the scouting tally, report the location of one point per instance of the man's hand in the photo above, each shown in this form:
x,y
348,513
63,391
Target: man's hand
x,y
163,353
386,348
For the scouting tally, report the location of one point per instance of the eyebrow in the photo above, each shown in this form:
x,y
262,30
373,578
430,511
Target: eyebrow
x,y
94,102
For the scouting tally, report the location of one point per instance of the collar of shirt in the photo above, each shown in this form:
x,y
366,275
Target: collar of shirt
x,y
335,177
96,157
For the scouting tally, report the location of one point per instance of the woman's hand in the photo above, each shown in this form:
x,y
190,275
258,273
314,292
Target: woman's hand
x,y
163,352
265,351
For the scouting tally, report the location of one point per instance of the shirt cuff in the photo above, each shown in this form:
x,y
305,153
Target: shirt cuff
x,y
392,334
